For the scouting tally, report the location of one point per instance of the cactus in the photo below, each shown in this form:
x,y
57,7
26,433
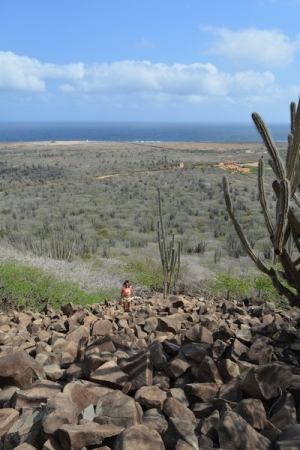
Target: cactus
x,y
286,228
170,257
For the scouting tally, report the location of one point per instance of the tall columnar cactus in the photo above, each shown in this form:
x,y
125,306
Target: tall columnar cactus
x,y
170,257
286,224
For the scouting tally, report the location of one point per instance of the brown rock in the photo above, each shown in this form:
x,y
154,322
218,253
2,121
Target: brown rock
x,y
154,419
245,439
265,381
118,409
84,393
177,366
34,395
19,369
59,410
139,437
8,416
174,408
139,370
150,397
198,333
110,375
179,430
75,437
208,372
253,411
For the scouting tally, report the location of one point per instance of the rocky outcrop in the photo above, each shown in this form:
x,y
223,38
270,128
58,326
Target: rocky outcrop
x,y
177,375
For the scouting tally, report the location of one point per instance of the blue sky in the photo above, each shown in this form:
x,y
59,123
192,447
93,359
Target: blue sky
x,y
149,60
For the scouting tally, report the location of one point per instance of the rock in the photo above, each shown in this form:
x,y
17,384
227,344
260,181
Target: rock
x,y
25,429
283,412
245,439
84,393
33,396
203,392
59,410
253,411
174,408
118,409
179,430
139,437
139,370
150,397
75,437
176,366
260,352
8,416
154,419
266,381
158,357
208,372
19,369
199,333
110,375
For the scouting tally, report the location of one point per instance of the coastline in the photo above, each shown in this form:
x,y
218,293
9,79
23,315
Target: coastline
x,y
222,146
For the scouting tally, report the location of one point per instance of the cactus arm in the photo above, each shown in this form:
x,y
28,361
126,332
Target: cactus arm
x,y
282,214
263,131
164,246
246,244
291,273
262,197
178,261
293,156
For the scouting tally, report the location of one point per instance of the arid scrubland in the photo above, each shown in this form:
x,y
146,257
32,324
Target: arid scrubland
x,y
88,211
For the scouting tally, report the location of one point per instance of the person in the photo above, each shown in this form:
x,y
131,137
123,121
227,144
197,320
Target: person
x,y
126,293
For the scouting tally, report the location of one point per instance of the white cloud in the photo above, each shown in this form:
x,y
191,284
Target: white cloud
x,y
29,74
268,48
20,73
135,81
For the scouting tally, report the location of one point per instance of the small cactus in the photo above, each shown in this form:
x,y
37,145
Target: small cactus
x,y
287,224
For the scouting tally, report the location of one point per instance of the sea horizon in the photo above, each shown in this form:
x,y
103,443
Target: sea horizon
x,y
137,131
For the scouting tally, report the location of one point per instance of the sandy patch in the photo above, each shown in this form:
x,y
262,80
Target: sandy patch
x,y
107,176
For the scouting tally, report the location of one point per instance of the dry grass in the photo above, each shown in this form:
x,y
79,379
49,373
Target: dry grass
x,y
103,195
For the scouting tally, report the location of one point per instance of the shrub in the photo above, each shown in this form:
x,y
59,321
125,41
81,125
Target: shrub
x,y
231,286
25,287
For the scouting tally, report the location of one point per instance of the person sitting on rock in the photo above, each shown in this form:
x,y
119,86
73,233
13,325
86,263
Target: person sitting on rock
x,y
126,293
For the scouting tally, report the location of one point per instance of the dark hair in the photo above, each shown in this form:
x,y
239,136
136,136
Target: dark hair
x,y
125,282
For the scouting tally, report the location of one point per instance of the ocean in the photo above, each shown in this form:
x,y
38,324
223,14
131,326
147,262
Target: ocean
x,y
136,132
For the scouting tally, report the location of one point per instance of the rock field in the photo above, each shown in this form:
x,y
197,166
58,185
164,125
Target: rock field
x,y
180,374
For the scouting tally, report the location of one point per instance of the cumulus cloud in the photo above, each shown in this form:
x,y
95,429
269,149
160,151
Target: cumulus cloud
x,y
267,48
20,73
29,74
191,83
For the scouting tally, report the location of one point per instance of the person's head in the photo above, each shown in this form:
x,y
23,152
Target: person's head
x,y
126,283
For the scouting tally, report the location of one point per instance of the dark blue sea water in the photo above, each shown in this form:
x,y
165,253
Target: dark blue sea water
x,y
136,131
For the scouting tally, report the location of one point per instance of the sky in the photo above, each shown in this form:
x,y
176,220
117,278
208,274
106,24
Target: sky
x,y
149,60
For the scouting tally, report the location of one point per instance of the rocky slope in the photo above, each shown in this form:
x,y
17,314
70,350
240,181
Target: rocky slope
x,y
178,375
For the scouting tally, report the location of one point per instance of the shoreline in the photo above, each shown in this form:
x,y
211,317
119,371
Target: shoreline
x,y
168,145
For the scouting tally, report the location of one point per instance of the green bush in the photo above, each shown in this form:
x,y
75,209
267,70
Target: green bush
x,y
265,289
25,287
146,273
230,286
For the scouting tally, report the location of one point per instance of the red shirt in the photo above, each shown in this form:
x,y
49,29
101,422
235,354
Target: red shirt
x,y
127,291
